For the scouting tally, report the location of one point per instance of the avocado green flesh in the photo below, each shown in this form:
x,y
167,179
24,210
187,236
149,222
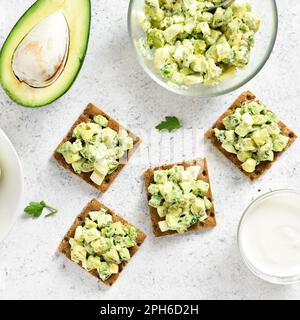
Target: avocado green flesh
x,y
78,16
102,244
253,134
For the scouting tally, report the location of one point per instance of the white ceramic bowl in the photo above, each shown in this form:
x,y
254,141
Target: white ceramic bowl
x,y
11,185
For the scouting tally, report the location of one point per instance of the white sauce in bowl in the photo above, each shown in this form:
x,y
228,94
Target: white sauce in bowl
x,y
269,234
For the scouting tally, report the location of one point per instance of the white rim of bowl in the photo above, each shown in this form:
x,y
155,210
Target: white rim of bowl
x,y
18,206
194,94
262,275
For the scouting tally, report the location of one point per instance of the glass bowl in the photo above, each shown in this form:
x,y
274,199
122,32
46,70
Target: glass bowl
x,y
264,43
257,269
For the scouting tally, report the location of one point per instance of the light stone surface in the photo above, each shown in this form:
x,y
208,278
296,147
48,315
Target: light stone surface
x,y
193,266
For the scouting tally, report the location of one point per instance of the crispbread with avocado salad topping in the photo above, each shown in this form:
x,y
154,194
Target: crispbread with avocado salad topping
x,y
87,116
202,176
262,165
92,206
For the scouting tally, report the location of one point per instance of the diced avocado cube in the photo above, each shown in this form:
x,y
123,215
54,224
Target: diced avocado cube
x,y
175,195
260,137
175,173
101,245
102,167
155,201
247,119
243,129
79,234
91,234
203,217
153,189
162,211
117,228
72,157
253,107
103,220
89,224
204,28
122,134
265,155
93,262
127,144
199,46
280,143
101,120
249,165
259,119
213,37
125,242
273,129
119,152
103,271
200,188
186,186
94,215
171,32
77,165
194,171
109,137
124,254
166,188
97,178
155,38
229,147
113,268
246,144
89,249
232,121
244,155
230,136
218,19
111,256
220,135
76,146
163,226
172,221
198,206
161,176
89,131
207,203
78,253
112,166
89,152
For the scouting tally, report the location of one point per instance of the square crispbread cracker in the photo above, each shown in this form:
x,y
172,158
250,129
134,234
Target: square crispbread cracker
x,y
87,115
94,205
263,166
210,222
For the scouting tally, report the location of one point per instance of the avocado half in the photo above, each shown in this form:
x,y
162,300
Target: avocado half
x,y
78,16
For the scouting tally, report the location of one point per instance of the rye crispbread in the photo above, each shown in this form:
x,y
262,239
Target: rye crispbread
x,y
263,166
94,205
210,222
87,116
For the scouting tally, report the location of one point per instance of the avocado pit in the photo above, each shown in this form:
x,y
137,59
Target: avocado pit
x,y
41,56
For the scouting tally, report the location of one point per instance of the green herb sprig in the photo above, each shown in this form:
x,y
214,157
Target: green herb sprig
x,y
169,124
36,209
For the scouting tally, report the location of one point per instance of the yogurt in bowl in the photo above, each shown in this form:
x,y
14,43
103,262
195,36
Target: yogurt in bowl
x,y
269,237
11,185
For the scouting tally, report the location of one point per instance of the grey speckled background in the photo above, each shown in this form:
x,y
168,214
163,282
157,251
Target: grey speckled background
x,y
203,265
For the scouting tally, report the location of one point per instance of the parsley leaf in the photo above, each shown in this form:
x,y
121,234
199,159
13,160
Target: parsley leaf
x,y
170,124
36,209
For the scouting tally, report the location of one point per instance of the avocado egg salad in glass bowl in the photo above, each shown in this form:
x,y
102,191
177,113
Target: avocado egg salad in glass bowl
x,y
192,47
